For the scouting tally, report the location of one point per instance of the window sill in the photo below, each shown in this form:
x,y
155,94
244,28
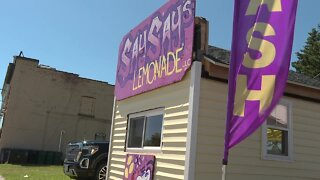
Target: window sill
x,y
147,150
277,158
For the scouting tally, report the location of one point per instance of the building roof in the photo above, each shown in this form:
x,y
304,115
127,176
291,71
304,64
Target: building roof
x,y
46,67
223,56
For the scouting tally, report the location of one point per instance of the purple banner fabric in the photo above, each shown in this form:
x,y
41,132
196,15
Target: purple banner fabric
x,y
157,52
261,51
139,167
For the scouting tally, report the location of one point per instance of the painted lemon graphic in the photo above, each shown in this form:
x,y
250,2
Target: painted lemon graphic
x,y
129,160
126,173
129,170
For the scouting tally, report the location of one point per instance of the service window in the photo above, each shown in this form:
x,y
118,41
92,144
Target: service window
x,y
145,130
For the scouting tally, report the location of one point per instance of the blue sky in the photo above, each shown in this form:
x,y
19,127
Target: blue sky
x,y
83,36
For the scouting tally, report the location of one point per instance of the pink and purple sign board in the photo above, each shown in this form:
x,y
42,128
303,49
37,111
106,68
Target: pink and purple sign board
x,y
139,167
158,51
260,59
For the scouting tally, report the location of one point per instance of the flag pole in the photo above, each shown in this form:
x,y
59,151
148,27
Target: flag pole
x,y
224,166
224,172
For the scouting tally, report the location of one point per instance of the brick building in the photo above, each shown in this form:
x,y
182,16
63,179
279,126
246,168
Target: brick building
x,y
43,109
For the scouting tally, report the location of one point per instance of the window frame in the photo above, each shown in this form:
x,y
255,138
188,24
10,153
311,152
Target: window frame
x,y
145,114
289,129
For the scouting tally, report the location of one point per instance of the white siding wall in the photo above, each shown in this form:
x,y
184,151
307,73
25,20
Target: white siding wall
x,y
245,159
170,161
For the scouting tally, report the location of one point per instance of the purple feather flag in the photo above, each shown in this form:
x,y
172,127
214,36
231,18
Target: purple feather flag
x,y
260,58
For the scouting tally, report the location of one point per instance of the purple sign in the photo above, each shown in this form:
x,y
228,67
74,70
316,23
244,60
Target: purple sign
x,y
139,167
157,52
260,59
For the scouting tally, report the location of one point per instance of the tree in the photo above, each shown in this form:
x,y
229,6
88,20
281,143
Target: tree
x,y
309,57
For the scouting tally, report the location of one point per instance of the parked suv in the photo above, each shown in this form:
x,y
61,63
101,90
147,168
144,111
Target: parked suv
x,y
86,159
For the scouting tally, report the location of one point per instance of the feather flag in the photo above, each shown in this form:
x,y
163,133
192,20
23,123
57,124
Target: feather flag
x,y
260,58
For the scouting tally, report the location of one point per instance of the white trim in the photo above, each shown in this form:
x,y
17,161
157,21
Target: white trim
x,y
154,150
194,98
153,112
145,114
110,139
264,154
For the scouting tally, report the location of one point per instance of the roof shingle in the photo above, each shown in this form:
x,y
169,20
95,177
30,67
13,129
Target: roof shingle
x,y
223,56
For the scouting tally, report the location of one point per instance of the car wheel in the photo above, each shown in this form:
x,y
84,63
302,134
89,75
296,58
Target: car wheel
x,y
101,172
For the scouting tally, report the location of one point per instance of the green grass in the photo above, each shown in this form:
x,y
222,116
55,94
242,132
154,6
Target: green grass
x,y
17,172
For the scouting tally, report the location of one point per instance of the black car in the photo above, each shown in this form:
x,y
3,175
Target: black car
x,y
86,159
